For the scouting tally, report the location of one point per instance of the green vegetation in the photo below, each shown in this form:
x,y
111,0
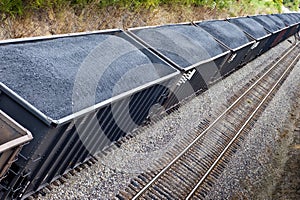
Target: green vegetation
x,y
20,7
292,4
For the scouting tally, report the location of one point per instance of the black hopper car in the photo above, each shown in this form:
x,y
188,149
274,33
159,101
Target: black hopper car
x,y
65,98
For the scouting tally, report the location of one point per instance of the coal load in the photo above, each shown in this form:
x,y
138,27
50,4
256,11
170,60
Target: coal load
x,y
56,74
183,44
227,33
288,20
250,26
267,22
294,18
277,21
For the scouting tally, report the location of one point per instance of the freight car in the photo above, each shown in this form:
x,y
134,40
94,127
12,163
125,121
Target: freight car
x,y
76,94
71,93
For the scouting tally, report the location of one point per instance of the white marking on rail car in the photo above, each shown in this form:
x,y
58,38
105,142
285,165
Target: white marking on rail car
x,y
185,77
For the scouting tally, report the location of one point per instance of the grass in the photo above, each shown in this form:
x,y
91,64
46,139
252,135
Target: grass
x,y
27,18
21,7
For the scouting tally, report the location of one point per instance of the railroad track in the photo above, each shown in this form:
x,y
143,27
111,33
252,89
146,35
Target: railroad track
x,y
192,172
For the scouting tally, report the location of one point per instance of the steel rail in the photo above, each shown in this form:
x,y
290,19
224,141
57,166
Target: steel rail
x,y
211,125
240,131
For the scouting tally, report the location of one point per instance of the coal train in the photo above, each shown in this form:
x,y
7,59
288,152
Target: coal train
x,y
65,98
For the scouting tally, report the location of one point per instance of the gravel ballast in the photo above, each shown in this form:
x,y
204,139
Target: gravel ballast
x,y
114,171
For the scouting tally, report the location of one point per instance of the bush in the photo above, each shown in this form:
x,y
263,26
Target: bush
x,y
19,7
292,4
12,7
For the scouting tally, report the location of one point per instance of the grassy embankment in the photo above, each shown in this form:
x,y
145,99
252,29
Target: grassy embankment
x,y
22,18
